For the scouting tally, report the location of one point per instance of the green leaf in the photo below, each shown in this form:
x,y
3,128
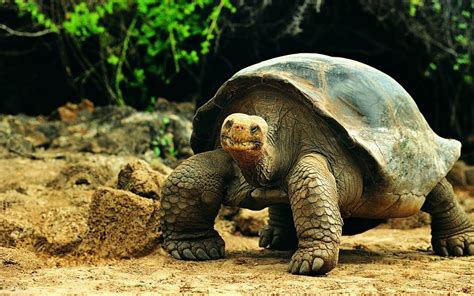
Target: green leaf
x,y
461,39
157,151
139,75
113,59
462,26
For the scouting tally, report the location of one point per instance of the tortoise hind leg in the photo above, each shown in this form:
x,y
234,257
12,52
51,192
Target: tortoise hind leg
x,y
280,233
452,234
191,198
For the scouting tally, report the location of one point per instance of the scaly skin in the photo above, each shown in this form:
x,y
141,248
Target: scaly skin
x,y
314,202
192,196
452,234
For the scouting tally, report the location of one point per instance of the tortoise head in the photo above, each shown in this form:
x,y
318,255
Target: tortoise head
x,y
244,136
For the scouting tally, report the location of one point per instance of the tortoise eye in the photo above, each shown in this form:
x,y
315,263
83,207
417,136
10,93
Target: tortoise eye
x,y
254,129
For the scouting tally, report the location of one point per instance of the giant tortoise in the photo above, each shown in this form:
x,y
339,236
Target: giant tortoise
x,y
332,146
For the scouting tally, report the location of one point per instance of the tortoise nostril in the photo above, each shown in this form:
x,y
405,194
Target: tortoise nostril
x,y
228,124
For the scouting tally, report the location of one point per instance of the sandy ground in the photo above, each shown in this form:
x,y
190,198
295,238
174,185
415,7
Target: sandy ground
x,y
379,261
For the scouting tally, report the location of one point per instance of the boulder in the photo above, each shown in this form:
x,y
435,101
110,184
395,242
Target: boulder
x,y
121,224
139,178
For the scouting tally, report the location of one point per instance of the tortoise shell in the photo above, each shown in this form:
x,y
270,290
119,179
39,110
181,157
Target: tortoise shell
x,y
369,108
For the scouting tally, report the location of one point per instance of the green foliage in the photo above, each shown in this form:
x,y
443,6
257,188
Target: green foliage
x,y
414,4
163,144
32,8
140,41
167,25
83,22
457,28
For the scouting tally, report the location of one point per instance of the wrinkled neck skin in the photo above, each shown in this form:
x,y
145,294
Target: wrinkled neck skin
x,y
259,168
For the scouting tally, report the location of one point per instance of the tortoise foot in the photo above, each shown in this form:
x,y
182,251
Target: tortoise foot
x,y
314,261
278,238
460,244
198,249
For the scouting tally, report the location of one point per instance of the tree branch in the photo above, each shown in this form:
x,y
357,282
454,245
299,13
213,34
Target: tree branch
x,y
25,34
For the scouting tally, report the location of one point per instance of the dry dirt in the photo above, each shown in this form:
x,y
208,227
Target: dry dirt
x,y
380,261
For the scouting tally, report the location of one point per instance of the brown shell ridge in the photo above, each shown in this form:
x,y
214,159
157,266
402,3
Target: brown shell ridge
x,y
370,109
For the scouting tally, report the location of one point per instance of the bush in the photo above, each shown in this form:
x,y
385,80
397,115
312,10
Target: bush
x,y
133,42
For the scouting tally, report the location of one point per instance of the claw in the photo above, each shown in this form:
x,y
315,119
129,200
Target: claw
x,y
443,251
188,255
470,249
175,254
290,266
264,241
457,251
317,264
296,267
214,254
304,269
201,254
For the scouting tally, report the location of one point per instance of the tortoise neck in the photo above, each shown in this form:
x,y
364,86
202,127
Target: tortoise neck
x,y
258,169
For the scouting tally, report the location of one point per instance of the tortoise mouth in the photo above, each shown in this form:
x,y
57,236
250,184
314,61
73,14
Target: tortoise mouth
x,y
237,145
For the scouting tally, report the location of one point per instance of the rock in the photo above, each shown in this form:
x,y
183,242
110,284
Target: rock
x,y
139,178
250,222
82,174
457,175
57,232
181,130
470,175
17,233
121,140
19,145
51,130
63,229
111,114
109,130
228,212
121,224
185,109
69,113
225,227
158,165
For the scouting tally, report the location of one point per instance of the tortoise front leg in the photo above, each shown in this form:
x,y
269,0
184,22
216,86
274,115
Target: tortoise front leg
x,y
314,203
191,198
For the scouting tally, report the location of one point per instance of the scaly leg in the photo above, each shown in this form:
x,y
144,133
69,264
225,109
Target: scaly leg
x,y
314,202
191,198
452,234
